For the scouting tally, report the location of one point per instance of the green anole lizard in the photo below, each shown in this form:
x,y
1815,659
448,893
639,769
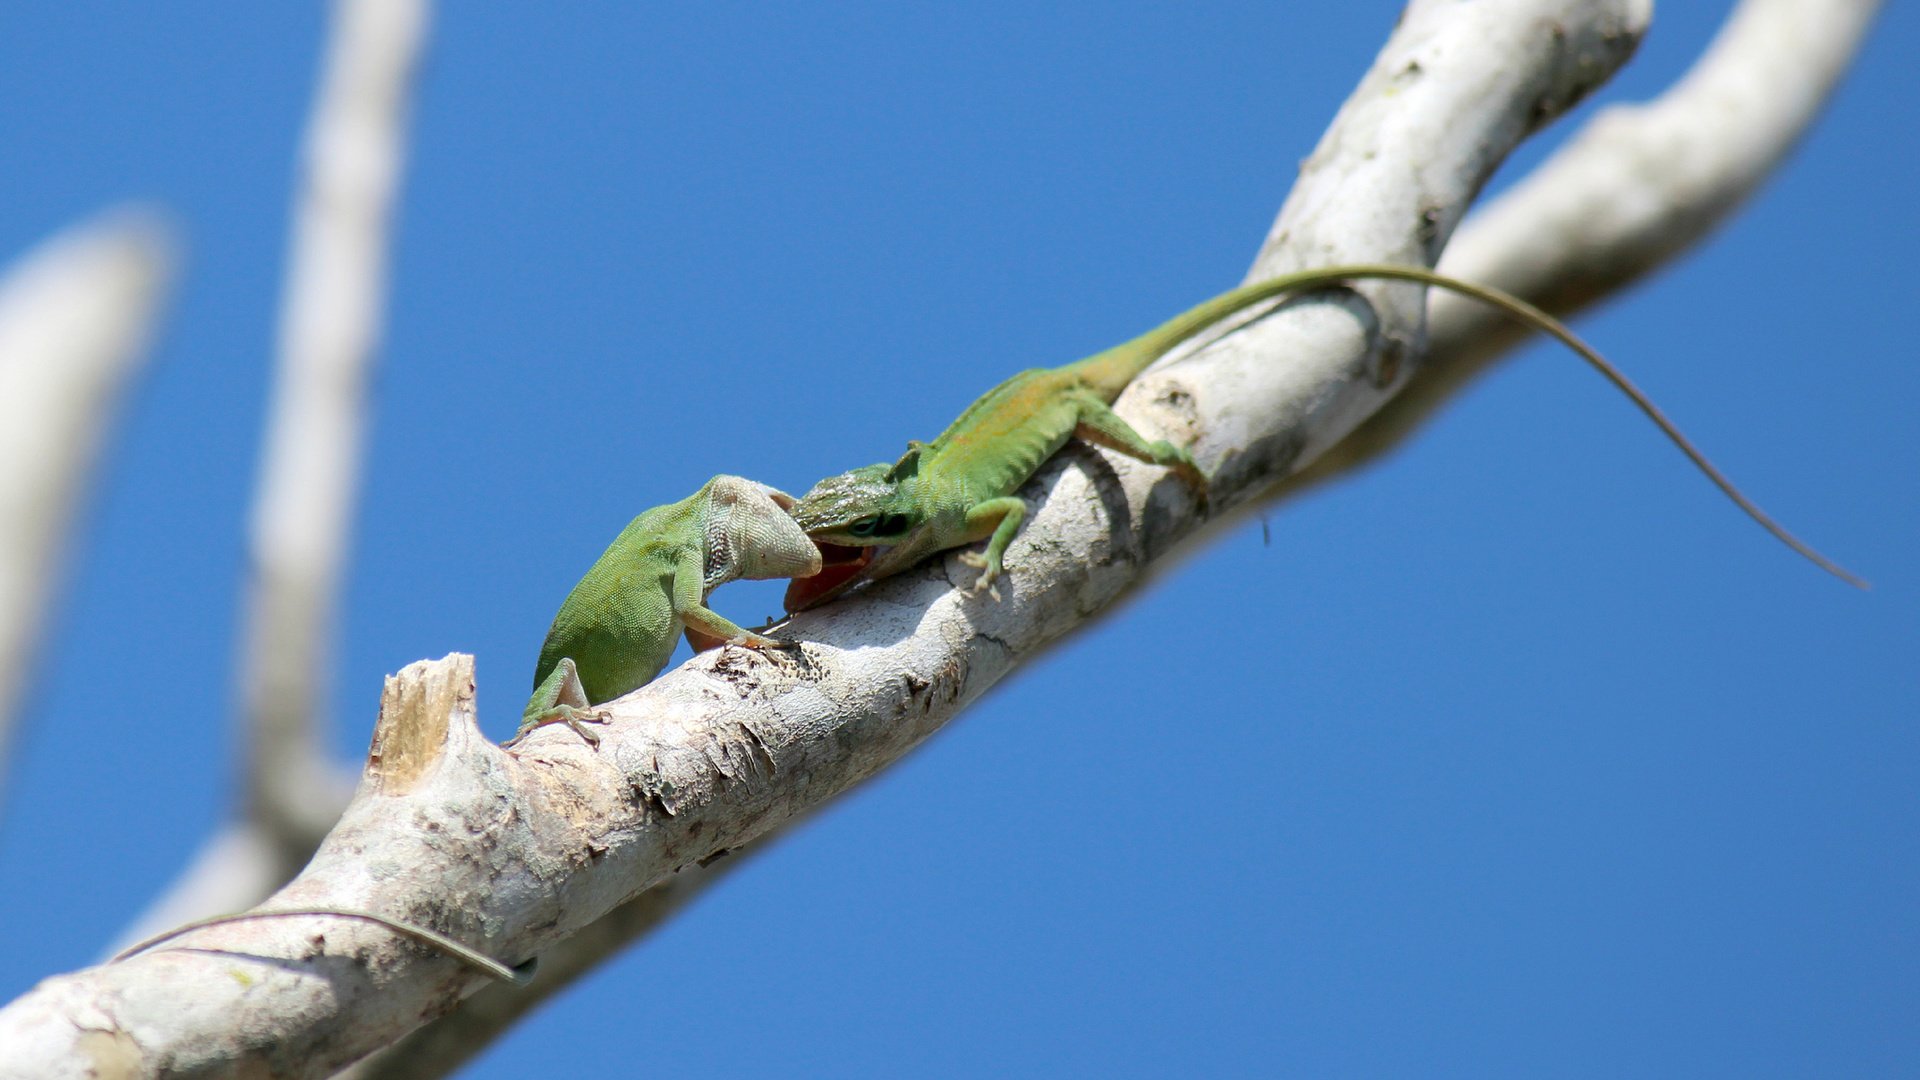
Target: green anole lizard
x,y
616,630
619,625
960,488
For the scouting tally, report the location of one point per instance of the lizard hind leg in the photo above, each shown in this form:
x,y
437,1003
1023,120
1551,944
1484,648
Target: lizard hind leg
x,y
562,699
1101,426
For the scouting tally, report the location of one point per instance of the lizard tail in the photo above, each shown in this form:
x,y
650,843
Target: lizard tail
x,y
1108,372
1127,360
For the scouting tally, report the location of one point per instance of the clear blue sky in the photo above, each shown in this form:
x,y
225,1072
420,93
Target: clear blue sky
x,y
1523,754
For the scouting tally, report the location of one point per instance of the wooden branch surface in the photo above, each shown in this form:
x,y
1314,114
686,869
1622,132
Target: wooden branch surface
x,y
1639,186
1741,107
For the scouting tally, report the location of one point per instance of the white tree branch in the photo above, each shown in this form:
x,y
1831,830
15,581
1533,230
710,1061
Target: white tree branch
x,y
446,1043
1637,187
513,851
1737,113
75,317
1613,204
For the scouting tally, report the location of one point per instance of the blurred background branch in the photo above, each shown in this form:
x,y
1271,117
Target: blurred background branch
x,y
330,323
76,315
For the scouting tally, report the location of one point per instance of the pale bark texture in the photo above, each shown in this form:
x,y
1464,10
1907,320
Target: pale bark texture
x,y
513,852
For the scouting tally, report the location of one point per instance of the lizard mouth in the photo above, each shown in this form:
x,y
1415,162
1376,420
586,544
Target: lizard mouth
x,y
840,567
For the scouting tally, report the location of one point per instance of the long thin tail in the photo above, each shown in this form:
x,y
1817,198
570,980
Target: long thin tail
x,y
1145,349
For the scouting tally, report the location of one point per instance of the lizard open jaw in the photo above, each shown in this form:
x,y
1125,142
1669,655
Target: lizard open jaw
x,y
841,568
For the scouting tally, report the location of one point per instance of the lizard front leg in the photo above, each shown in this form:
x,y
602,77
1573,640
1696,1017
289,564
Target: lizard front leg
x,y
706,628
1001,517
561,699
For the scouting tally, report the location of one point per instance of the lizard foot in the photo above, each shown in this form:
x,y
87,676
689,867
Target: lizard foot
x,y
776,650
577,722
989,574
574,718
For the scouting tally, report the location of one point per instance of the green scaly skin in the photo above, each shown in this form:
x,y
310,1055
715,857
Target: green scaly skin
x,y
960,488
619,625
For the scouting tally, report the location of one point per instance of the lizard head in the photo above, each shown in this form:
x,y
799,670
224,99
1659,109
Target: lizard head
x,y
849,516
862,508
749,534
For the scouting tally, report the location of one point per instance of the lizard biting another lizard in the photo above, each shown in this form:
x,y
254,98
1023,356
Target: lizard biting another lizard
x,y
960,488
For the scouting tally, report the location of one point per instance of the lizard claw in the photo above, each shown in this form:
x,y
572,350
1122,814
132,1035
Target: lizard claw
x,y
774,649
986,582
990,571
578,720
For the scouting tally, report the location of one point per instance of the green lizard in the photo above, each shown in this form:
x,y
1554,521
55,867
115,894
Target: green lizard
x,y
960,488
619,624
616,630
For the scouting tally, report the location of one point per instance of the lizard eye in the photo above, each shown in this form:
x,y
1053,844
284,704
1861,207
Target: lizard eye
x,y
879,525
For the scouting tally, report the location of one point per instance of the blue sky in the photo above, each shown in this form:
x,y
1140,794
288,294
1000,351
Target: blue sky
x,y
1521,754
